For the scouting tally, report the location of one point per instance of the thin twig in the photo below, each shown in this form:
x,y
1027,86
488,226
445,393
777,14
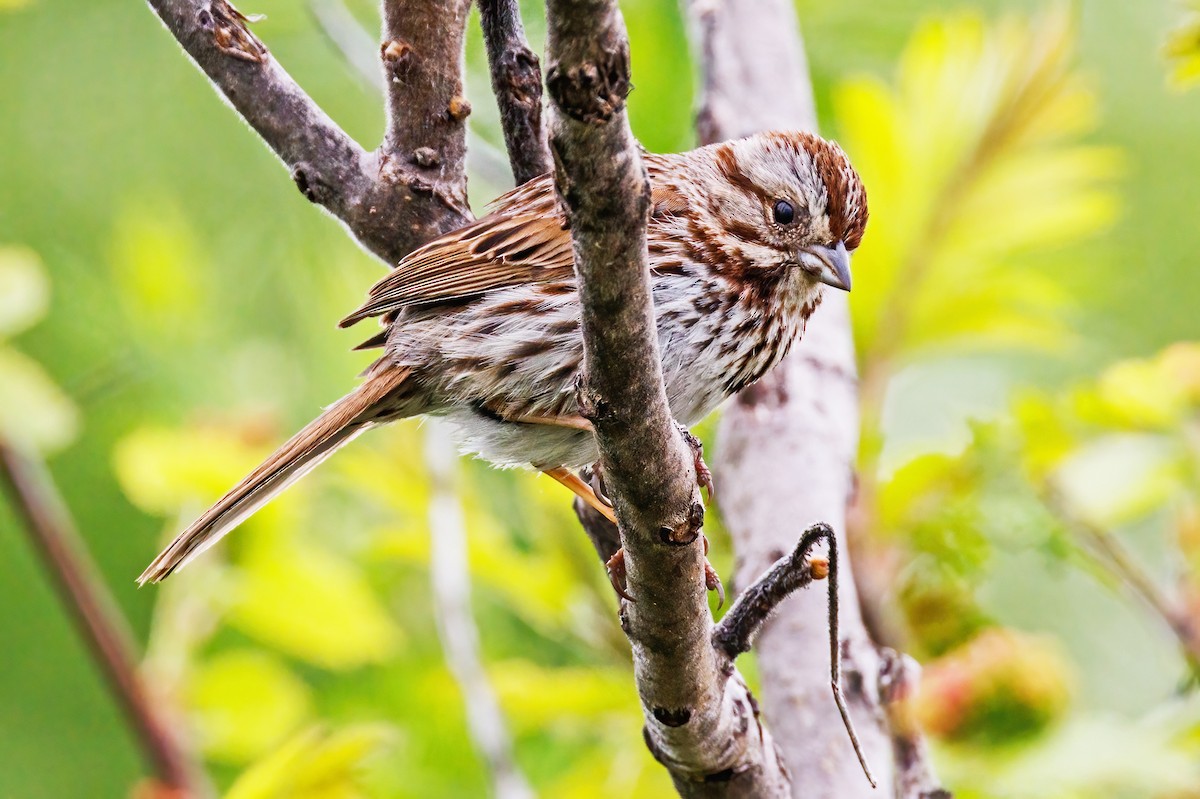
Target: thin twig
x,y
456,624
350,39
736,631
96,617
517,84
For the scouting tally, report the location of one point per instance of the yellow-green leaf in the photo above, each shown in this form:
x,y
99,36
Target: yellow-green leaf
x,y
161,470
24,289
313,604
33,410
315,765
245,702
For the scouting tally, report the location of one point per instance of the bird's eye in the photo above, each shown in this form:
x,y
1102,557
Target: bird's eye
x,y
784,213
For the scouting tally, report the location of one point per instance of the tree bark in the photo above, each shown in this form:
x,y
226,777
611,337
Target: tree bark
x,y
517,84
701,722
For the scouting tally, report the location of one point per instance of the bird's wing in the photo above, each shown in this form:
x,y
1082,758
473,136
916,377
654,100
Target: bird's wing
x,y
523,240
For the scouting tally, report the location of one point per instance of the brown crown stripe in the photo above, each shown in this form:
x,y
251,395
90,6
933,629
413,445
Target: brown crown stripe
x,y
729,167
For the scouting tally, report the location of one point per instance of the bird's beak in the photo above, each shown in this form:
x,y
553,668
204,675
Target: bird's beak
x,y
830,265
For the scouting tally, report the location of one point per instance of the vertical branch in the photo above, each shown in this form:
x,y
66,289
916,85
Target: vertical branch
x,y
456,624
422,58
517,84
701,721
96,617
788,444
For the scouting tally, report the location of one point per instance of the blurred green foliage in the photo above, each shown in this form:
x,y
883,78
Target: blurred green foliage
x,y
1024,278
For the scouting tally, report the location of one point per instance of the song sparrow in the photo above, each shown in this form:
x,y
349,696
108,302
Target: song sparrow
x,y
481,326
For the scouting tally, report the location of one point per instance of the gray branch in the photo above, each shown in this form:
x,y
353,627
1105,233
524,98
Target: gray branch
x,y
517,84
789,443
391,200
701,721
745,618
456,623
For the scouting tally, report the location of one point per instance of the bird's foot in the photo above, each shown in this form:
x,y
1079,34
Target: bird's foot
x,y
704,477
616,574
712,580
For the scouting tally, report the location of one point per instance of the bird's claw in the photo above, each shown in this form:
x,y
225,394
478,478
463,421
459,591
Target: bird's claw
x,y
616,574
704,477
712,581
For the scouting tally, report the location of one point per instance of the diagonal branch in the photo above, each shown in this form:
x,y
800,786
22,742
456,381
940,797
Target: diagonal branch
x,y
97,619
517,84
392,200
700,719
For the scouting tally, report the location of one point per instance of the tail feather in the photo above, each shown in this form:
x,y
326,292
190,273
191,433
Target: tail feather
x,y
337,426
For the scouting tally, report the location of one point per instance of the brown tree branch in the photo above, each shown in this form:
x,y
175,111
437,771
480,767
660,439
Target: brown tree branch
x,y
97,620
392,200
425,144
788,444
517,84
700,721
356,46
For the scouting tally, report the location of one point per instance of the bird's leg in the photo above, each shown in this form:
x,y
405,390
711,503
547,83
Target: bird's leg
x,y
615,564
581,490
573,422
704,479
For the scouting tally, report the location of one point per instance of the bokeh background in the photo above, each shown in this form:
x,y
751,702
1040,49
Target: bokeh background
x,y
1027,307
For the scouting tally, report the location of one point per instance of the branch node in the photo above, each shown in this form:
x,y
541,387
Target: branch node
x,y
309,185
397,58
230,34
592,406
458,109
672,718
681,535
426,157
594,91
724,775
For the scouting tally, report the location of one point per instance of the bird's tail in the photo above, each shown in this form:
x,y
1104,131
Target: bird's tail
x,y
323,436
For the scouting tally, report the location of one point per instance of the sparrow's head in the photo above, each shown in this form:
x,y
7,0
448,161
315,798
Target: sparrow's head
x,y
795,200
